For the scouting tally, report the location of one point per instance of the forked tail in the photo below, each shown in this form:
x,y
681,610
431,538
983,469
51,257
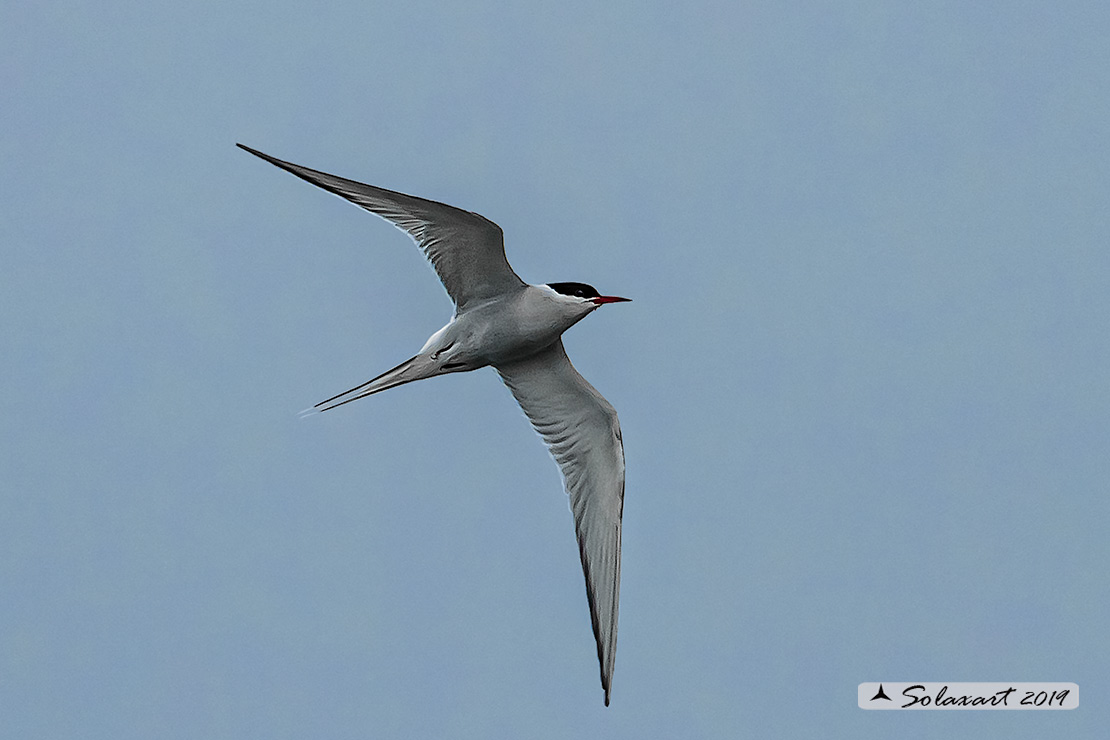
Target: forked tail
x,y
415,368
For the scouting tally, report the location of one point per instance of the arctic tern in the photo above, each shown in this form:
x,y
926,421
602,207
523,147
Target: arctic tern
x,y
516,328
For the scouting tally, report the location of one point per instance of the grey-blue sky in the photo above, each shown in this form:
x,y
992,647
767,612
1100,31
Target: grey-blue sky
x,y
862,384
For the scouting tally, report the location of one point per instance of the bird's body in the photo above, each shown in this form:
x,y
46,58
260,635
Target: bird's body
x,y
516,328
508,328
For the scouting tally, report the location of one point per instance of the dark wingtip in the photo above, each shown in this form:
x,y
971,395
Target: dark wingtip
x,y
255,152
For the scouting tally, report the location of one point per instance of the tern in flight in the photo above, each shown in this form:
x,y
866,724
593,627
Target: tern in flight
x,y
516,328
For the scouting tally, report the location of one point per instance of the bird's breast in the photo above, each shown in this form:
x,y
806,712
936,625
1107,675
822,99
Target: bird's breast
x,y
511,329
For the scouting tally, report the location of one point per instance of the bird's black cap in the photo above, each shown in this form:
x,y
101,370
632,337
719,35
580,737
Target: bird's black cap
x,y
579,290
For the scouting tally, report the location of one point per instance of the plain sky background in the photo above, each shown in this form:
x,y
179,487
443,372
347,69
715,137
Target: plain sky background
x,y
863,382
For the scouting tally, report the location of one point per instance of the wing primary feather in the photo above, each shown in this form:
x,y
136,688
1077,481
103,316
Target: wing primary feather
x,y
467,250
582,431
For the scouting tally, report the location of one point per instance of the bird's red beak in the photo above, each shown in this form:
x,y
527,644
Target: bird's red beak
x,y
609,299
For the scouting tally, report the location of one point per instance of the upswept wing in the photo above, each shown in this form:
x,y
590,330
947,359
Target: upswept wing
x,y
467,250
581,429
